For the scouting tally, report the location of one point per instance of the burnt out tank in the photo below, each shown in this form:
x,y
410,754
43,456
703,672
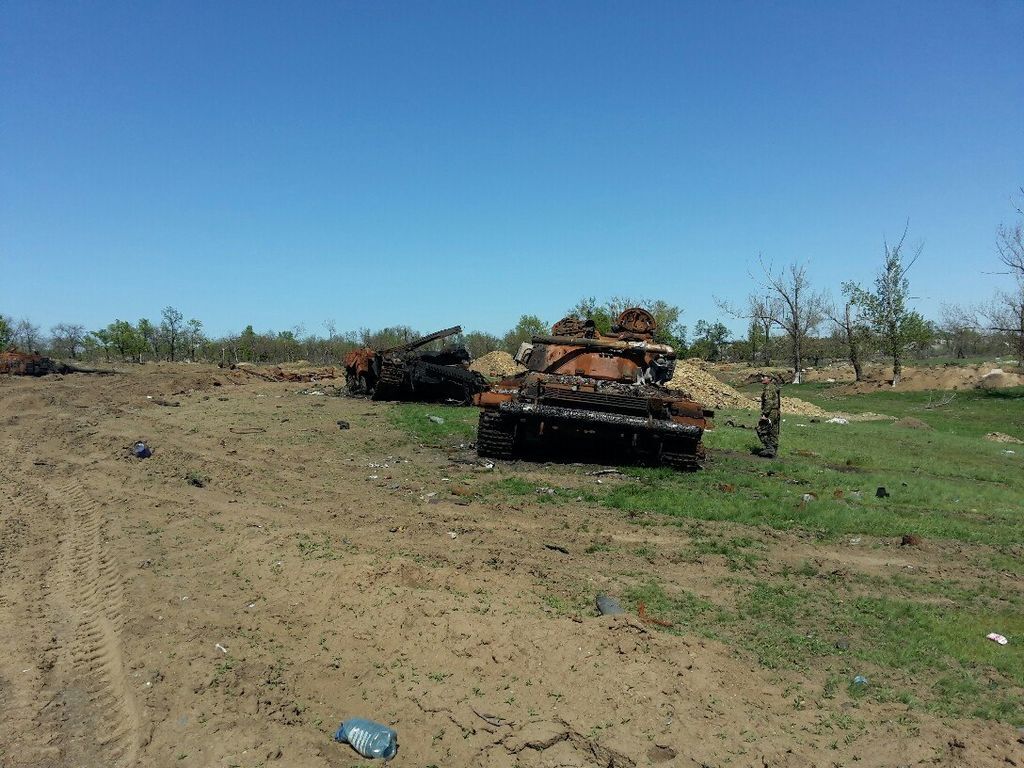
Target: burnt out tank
x,y
17,363
409,372
591,395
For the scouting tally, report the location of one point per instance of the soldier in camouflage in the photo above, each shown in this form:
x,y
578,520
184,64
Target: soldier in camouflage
x,y
771,416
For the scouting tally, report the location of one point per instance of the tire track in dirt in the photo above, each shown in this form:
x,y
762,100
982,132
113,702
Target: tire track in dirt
x,y
88,582
27,711
77,706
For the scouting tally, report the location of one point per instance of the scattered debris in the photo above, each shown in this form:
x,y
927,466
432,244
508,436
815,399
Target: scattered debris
x,y
860,680
997,638
881,492
837,420
727,488
911,540
342,424
277,374
557,548
220,648
842,643
809,497
141,451
495,720
435,419
246,430
165,403
608,606
604,472
369,739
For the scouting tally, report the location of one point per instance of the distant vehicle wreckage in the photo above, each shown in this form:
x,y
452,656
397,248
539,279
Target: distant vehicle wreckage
x,y
594,395
408,372
17,363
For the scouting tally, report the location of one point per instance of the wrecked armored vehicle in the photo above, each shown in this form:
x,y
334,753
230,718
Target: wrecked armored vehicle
x,y
585,394
18,363
408,372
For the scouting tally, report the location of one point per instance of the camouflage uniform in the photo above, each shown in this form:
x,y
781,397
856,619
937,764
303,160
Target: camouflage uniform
x,y
768,427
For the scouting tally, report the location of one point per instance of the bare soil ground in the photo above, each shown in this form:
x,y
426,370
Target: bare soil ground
x,y
266,574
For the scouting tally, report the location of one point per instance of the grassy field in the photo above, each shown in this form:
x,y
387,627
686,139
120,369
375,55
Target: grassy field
x,y
918,638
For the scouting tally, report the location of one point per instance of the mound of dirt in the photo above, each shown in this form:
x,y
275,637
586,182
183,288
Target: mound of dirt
x,y
496,365
909,422
691,377
1001,437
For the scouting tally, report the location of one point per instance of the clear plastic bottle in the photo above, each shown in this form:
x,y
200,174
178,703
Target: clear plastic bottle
x,y
368,738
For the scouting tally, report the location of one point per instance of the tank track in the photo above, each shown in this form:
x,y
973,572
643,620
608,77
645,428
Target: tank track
x,y
389,384
495,436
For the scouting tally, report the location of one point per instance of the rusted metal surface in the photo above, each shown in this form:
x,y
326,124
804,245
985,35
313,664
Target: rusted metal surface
x,y
585,392
17,363
407,372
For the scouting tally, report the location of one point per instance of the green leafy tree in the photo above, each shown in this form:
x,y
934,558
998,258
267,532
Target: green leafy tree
x,y
666,316
479,343
151,335
171,328
709,340
196,339
886,306
527,327
101,339
6,332
247,342
126,339
852,328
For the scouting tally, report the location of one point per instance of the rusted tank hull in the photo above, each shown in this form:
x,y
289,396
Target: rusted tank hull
x,y
526,431
591,396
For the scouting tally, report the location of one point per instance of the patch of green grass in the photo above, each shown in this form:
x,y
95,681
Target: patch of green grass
x,y
900,645
316,547
681,608
736,551
459,422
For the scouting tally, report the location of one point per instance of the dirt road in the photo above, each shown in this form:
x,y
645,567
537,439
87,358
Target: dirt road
x,y
265,574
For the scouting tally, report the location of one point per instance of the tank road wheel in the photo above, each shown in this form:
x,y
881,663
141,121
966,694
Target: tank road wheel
x,y
681,457
495,436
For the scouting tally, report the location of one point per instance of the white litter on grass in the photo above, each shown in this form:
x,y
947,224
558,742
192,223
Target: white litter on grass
x,y
997,638
220,648
452,534
837,420
1008,452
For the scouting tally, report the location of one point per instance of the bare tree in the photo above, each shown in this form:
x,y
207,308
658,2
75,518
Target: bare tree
x,y
1006,312
765,312
1010,243
792,305
67,339
26,335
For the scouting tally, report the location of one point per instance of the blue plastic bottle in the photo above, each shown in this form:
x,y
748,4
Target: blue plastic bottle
x,y
368,738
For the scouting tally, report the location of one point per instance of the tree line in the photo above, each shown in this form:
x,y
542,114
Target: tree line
x,y
788,319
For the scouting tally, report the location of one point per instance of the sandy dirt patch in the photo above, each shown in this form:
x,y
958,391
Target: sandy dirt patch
x,y
316,574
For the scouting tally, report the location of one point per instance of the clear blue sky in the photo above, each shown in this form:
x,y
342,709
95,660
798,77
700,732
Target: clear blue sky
x,y
380,163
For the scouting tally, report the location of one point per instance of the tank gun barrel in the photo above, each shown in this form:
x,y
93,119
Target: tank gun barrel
x,y
423,340
641,346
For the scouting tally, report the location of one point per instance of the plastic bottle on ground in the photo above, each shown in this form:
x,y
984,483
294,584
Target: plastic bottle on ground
x,y
368,738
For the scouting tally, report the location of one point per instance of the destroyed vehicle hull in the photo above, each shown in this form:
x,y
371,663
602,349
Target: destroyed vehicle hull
x,y
17,363
408,372
594,396
419,380
552,422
